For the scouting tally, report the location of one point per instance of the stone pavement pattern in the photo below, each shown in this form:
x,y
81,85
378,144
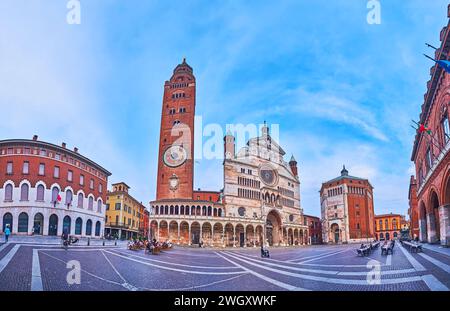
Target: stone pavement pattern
x,y
338,268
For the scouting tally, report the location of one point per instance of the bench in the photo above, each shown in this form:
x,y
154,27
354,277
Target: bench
x,y
363,251
413,247
389,247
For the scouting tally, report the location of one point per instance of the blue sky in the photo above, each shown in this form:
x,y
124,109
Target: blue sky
x,y
342,91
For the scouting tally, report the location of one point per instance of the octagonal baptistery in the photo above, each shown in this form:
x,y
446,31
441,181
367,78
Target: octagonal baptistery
x,y
45,188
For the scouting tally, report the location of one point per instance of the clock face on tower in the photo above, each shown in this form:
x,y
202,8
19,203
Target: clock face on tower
x,y
175,156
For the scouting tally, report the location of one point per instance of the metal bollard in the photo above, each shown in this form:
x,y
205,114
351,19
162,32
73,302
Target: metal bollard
x,y
115,243
89,241
103,242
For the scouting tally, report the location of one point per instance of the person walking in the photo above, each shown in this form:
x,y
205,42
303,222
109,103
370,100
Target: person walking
x,y
7,233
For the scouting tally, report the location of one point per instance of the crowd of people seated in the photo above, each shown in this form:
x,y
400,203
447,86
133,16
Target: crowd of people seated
x,y
136,244
154,247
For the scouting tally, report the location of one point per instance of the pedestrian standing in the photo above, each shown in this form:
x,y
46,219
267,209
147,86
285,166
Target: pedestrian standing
x,y
7,233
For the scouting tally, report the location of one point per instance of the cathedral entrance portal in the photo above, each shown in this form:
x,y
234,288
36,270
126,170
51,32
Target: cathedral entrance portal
x,y
273,229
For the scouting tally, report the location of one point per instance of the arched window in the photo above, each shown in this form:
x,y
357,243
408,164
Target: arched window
x,y
40,193
78,226
69,197
24,189
53,225
99,206
89,227
55,193
67,224
80,200
91,203
97,228
23,222
8,192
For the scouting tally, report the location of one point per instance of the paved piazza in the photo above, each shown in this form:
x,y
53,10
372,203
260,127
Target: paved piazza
x,y
27,267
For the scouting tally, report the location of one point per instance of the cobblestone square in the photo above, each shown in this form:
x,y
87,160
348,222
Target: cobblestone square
x,y
35,267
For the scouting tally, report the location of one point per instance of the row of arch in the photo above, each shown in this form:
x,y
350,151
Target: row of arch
x,y
24,195
37,226
386,236
188,210
434,210
222,234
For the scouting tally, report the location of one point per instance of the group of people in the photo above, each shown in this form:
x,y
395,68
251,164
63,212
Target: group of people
x,y
153,245
136,244
68,239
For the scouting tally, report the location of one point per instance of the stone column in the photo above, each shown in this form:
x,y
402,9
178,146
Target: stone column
x,y
422,230
46,224
201,234
189,236
179,233
444,218
254,236
245,237
431,222
212,235
223,235
234,236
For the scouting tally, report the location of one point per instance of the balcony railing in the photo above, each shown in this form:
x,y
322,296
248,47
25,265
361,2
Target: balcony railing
x,y
118,225
437,160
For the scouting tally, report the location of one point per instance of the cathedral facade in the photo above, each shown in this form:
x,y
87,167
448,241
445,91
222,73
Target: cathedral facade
x,y
260,200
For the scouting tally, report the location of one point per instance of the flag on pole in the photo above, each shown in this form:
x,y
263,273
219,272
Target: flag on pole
x,y
424,128
445,64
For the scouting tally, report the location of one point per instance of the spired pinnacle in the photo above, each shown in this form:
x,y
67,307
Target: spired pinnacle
x,y
292,159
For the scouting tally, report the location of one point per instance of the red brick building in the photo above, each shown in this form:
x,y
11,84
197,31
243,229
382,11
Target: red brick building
x,y
45,188
176,146
431,152
413,209
347,209
315,229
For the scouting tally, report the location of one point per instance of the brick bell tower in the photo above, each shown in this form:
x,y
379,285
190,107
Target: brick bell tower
x,y
176,143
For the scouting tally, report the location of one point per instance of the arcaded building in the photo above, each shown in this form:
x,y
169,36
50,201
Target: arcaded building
x,y
388,226
45,188
260,200
347,209
431,153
